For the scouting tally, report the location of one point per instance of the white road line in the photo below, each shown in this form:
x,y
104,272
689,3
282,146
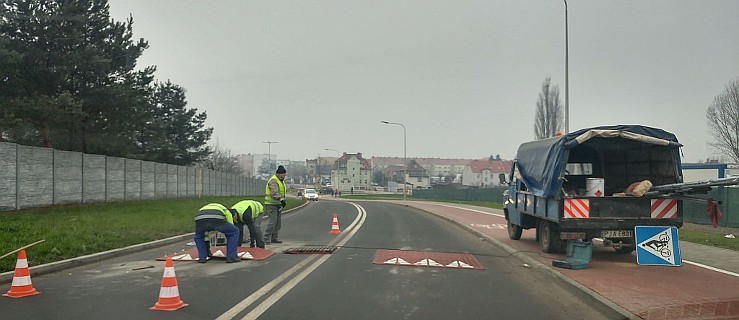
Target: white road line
x,y
712,268
241,306
468,209
700,265
271,300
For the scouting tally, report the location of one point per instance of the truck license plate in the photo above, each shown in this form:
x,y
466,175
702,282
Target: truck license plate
x,y
617,233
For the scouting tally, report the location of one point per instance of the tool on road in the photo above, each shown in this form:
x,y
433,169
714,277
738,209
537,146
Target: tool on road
x,y
22,286
579,254
335,225
169,294
22,248
311,250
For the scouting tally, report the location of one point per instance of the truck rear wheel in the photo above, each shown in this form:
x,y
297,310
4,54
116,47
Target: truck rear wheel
x,y
549,240
514,231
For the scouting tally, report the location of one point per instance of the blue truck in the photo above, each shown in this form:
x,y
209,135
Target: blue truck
x,y
550,186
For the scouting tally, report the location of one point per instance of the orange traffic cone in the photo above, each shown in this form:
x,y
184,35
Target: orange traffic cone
x,y
169,295
21,286
335,225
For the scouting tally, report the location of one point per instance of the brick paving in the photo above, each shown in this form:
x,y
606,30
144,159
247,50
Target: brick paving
x,y
650,292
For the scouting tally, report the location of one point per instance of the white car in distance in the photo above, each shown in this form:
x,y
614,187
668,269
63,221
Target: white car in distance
x,y
310,194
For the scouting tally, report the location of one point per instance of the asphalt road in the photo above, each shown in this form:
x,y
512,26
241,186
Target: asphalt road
x,y
342,285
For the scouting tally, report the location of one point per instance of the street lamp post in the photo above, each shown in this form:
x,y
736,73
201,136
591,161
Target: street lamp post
x,y
405,183
269,153
567,80
337,169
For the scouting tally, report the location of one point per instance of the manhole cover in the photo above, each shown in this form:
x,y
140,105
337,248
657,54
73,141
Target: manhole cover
x,y
312,249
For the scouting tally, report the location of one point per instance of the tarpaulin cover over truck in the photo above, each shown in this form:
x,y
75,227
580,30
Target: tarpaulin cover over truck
x,y
541,163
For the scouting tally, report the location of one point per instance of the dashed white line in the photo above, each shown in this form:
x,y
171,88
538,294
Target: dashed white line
x,y
314,263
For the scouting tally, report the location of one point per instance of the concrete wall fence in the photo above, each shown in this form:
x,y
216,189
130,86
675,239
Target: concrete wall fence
x,y
38,177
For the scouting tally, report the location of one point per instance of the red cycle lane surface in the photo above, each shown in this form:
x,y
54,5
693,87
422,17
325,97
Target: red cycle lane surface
x,y
650,292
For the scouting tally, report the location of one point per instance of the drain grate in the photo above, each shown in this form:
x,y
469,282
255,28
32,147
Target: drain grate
x,y
311,250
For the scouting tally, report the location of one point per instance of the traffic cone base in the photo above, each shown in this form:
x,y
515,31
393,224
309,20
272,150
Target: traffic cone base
x,y
22,286
169,294
335,225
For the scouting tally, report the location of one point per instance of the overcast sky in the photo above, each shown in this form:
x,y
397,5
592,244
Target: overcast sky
x,y
463,76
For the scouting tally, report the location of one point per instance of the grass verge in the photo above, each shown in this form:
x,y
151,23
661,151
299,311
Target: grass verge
x,y
78,230
709,239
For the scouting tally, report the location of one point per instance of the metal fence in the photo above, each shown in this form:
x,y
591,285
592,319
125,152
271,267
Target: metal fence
x,y
693,211
477,195
38,177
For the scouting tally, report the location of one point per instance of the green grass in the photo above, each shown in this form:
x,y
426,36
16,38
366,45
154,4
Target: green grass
x,y
709,239
77,230
382,196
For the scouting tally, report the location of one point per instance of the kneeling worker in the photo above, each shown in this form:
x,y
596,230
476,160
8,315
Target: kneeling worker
x,y
215,217
246,213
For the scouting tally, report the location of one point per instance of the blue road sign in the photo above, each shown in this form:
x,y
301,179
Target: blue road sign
x,y
657,246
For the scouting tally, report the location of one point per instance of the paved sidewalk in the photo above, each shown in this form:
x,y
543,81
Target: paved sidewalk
x,y
706,286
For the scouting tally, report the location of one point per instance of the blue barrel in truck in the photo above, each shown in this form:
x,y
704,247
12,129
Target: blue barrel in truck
x,y
573,186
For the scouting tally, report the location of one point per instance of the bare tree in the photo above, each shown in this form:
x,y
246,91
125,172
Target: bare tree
x,y
221,159
548,119
723,121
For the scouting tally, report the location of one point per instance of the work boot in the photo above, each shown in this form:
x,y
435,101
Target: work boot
x,y
233,260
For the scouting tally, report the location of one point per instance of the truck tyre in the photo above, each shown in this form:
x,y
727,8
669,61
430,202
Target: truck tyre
x,y
514,231
549,240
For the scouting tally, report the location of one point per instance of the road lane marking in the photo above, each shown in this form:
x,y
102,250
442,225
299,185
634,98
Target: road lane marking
x,y
315,260
712,268
271,300
489,226
473,210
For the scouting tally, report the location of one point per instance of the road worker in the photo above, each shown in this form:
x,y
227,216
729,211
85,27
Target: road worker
x,y
245,213
216,217
274,202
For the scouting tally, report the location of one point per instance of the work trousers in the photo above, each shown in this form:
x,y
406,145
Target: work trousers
x,y
273,214
221,225
255,232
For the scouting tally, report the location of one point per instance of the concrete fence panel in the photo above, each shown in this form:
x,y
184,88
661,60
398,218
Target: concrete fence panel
x,y
93,178
8,180
192,181
171,181
133,179
115,179
204,182
160,181
67,177
148,174
181,181
220,184
35,177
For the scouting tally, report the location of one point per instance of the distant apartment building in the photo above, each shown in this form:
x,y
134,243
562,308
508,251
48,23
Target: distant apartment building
x,y
435,167
351,171
246,164
485,173
415,175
